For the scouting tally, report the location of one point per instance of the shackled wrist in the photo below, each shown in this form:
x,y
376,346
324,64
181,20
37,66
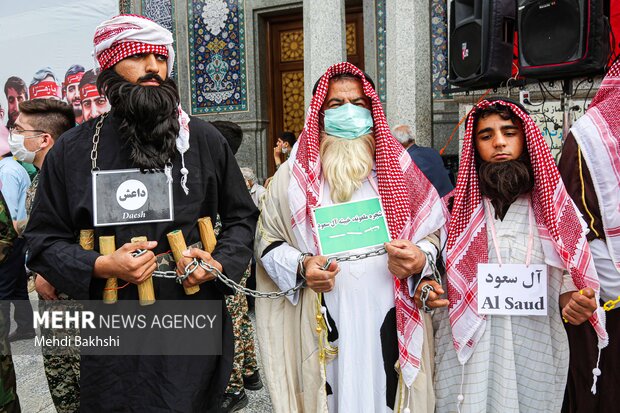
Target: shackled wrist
x,y
301,269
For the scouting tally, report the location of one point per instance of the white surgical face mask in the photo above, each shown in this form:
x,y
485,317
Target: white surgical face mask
x,y
284,150
16,143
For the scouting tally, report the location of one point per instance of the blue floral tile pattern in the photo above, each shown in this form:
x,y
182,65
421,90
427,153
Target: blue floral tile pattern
x,y
161,12
124,6
217,56
439,46
380,25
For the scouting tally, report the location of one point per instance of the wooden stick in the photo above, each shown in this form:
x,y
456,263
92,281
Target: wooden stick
x,y
207,235
87,239
107,245
178,245
146,292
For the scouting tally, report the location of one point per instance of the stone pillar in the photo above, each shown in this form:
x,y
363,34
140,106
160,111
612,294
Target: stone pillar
x,y
370,40
324,39
408,74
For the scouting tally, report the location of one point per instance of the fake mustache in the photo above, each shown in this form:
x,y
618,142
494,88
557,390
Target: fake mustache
x,y
151,76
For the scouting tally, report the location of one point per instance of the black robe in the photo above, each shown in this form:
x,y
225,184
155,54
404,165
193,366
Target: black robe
x,y
63,207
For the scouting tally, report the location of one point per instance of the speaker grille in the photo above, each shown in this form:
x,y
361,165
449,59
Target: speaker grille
x,y
550,43
465,49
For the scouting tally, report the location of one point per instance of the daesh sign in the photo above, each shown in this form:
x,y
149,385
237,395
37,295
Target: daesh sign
x,y
131,197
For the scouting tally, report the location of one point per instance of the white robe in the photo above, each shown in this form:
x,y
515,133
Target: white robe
x,y
358,305
362,297
520,364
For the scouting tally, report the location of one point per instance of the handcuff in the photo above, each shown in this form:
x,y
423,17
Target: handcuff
x,y
426,291
427,288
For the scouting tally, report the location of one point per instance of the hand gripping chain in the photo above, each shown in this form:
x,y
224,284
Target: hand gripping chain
x,y
194,264
427,288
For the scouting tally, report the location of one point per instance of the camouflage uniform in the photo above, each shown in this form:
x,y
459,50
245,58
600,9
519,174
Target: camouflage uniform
x,y
9,402
244,363
61,364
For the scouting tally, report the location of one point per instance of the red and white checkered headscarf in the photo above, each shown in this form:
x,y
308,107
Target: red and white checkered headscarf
x,y
129,34
562,233
598,135
412,206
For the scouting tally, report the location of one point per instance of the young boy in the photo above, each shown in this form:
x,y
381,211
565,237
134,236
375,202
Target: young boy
x,y
510,207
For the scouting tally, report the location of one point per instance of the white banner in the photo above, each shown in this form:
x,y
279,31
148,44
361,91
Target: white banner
x,y
41,33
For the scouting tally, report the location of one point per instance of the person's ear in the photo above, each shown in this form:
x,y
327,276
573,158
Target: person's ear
x,y
47,140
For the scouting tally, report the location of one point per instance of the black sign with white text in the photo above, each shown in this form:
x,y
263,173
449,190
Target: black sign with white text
x,y
129,196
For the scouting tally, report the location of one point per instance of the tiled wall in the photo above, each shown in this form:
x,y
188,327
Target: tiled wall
x,y
217,56
380,25
161,12
439,46
124,6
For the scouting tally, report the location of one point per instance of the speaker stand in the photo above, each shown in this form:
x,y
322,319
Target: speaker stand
x,y
565,104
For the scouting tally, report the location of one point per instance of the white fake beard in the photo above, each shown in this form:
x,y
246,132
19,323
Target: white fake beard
x,y
346,163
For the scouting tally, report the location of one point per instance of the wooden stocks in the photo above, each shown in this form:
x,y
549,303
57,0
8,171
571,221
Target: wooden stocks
x,y
178,245
207,235
146,293
107,245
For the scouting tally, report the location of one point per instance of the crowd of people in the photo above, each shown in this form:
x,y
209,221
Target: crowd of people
x,y
496,294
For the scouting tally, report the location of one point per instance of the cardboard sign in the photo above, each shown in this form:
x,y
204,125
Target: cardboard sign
x,y
129,196
350,226
512,289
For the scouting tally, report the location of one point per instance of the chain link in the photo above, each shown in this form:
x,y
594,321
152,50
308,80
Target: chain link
x,y
93,152
426,291
355,257
192,266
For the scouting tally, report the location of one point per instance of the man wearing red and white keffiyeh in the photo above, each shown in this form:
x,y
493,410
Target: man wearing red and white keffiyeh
x,y
590,169
510,206
358,322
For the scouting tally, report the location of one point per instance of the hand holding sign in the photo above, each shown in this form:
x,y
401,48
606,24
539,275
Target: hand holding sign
x,y
404,258
578,307
320,280
122,264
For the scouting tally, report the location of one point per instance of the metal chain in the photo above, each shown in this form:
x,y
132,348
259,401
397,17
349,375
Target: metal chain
x,y
355,257
432,264
192,266
93,152
426,291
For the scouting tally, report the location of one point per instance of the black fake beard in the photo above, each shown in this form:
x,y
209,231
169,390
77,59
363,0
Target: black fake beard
x,y
504,182
150,118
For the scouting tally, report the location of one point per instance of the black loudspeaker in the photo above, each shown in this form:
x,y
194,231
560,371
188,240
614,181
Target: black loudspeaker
x,y
481,41
562,38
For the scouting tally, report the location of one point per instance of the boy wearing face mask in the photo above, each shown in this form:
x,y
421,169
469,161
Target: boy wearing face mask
x,y
14,181
39,124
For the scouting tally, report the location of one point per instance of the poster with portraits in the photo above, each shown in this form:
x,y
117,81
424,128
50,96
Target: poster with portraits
x,y
46,47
